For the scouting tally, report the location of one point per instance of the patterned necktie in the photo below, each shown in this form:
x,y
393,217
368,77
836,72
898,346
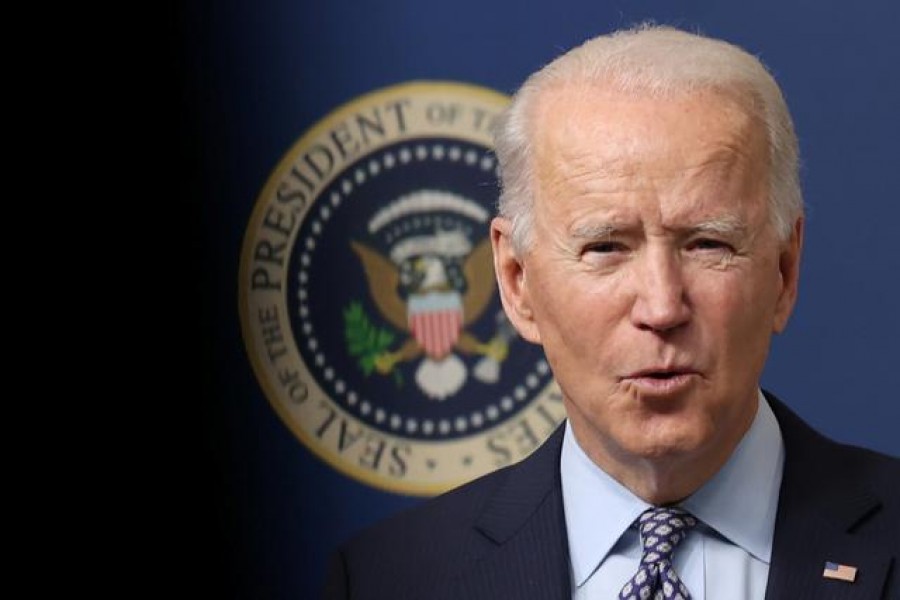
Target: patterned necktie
x,y
661,530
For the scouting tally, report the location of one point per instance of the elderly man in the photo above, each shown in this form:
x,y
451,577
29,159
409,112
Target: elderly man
x,y
649,239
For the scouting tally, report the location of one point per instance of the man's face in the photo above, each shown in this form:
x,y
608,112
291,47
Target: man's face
x,y
655,279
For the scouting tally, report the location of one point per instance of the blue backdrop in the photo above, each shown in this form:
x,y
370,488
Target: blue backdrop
x,y
258,74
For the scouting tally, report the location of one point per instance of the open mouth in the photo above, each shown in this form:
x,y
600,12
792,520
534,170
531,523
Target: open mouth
x,y
663,374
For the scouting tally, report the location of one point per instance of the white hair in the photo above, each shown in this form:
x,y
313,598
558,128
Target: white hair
x,y
657,62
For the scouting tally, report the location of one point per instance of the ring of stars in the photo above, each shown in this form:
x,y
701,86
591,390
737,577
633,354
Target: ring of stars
x,y
343,192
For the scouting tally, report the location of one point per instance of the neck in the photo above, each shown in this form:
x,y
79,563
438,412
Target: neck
x,y
663,481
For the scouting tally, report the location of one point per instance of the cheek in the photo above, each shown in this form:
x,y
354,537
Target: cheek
x,y
738,299
734,318
574,309
582,342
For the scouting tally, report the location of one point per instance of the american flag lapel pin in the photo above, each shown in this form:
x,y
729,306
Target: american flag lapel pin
x,y
839,572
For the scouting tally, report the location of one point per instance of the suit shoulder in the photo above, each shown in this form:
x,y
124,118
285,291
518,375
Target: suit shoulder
x,y
814,456
436,516
879,472
416,551
421,552
456,512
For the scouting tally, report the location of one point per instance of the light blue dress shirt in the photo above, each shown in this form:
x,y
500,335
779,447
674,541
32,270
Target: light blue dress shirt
x,y
726,556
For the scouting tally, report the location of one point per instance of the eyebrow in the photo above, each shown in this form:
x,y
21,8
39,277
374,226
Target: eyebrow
x,y
728,225
724,226
594,231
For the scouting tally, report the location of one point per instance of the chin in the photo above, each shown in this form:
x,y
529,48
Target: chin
x,y
660,449
668,441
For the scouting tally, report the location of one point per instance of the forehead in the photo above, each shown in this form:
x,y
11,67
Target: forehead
x,y
589,141
619,132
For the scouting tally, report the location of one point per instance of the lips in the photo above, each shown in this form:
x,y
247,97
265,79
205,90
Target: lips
x,y
660,373
657,381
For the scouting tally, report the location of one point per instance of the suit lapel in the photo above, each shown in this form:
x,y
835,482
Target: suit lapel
x,y
822,502
526,555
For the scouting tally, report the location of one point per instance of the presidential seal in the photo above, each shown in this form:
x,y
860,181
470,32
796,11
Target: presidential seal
x,y
368,300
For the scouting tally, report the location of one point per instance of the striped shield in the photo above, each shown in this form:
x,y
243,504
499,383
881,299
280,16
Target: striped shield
x,y
435,320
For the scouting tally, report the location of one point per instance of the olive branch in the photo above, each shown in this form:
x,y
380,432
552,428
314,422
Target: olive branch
x,y
365,341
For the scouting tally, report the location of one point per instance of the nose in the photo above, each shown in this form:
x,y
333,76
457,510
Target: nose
x,y
660,300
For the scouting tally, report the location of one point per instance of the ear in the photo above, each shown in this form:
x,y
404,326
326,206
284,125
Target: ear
x,y
512,281
789,269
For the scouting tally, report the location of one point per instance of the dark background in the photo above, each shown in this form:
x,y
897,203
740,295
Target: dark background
x,y
257,514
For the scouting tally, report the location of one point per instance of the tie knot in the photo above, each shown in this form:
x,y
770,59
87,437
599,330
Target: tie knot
x,y
661,530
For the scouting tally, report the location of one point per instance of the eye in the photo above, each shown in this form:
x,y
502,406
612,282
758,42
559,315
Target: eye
x,y
605,255
707,244
605,247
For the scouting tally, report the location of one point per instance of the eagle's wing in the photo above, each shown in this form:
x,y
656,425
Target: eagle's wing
x,y
383,277
479,272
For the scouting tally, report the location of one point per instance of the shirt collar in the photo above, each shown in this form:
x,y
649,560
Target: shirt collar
x,y
739,502
598,508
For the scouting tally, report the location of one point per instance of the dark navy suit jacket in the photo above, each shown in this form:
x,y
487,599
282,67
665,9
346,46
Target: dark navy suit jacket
x,y
504,535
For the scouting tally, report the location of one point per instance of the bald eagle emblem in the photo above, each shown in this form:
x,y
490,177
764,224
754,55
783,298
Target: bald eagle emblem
x,y
429,287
